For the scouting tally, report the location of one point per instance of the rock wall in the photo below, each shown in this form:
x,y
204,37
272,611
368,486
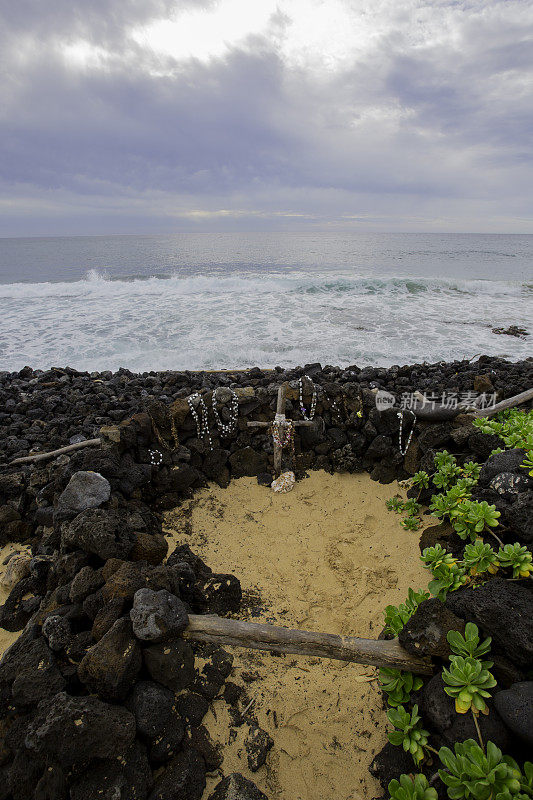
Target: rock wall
x,y
100,696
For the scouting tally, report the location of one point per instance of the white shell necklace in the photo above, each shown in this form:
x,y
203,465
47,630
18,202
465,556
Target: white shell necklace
x,y
226,428
202,424
406,448
313,399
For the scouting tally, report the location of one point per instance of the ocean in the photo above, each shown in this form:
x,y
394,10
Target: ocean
x,y
227,300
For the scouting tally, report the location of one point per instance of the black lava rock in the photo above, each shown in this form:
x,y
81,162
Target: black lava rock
x,y
515,707
503,610
236,787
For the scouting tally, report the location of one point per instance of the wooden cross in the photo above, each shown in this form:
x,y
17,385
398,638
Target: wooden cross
x,y
280,417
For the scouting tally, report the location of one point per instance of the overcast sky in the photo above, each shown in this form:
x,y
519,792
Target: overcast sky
x,y
124,116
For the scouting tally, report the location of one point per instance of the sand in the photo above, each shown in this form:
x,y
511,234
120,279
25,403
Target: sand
x,y
327,557
8,637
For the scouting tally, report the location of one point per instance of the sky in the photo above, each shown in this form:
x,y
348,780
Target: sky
x,y
157,116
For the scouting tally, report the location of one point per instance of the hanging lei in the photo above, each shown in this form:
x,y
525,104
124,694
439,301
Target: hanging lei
x,y
226,428
313,399
282,432
403,451
200,417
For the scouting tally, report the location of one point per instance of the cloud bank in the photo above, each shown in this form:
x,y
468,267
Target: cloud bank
x,y
122,116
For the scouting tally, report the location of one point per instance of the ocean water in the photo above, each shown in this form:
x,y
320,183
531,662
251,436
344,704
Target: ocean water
x,y
215,301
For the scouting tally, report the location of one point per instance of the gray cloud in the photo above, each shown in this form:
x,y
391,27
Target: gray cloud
x,y
425,132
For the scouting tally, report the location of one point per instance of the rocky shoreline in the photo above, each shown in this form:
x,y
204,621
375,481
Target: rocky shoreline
x,y
100,695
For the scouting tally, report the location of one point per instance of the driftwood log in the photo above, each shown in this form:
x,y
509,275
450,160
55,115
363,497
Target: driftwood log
x,y
69,448
511,402
259,636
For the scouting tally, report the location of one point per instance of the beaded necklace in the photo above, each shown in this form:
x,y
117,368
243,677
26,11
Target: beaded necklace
x,y
400,417
202,424
313,399
226,428
282,431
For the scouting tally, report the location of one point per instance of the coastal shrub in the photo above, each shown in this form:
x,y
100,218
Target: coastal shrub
x,y
468,681
433,557
420,479
472,773
513,426
446,578
411,788
398,685
411,523
408,732
397,616
469,644
516,557
395,504
479,558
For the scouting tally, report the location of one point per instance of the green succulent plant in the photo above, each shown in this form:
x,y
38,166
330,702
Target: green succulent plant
x,y
409,732
469,645
398,685
468,681
412,788
515,427
517,557
420,479
397,616
528,462
472,773
411,506
474,518
446,578
411,523
444,460
394,504
433,557
480,557
472,469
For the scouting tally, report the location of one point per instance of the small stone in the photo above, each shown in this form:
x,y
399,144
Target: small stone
x,y
157,616
57,632
236,787
257,744
515,707
85,490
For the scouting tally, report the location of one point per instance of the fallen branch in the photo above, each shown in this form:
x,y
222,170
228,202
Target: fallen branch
x,y
53,453
511,402
258,636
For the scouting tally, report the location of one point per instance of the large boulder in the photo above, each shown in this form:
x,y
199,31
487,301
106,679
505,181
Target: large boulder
x,y
28,672
515,707
247,462
103,533
438,711
507,461
519,517
157,616
127,778
503,610
183,779
84,490
110,667
72,730
170,663
157,719
425,633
